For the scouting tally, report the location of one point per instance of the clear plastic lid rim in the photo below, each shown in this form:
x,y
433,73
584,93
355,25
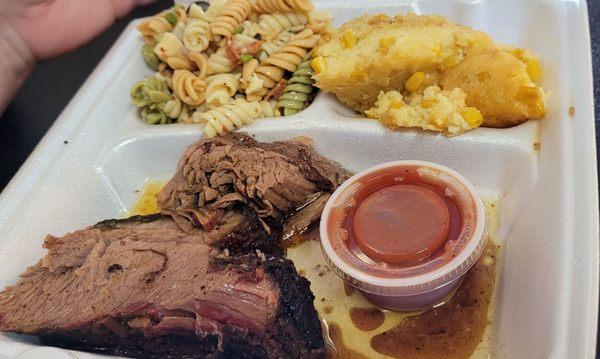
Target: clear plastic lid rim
x,y
422,283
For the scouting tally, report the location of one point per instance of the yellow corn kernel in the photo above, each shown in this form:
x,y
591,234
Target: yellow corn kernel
x,y
358,74
534,69
428,103
451,61
397,104
440,122
317,64
537,109
415,82
529,94
348,39
519,53
385,43
472,116
533,98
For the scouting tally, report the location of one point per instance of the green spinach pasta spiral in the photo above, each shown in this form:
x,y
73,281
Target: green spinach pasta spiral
x,y
149,91
151,94
150,57
297,92
154,115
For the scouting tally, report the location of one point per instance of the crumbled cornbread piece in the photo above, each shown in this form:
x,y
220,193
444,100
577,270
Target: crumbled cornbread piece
x,y
498,84
408,53
433,109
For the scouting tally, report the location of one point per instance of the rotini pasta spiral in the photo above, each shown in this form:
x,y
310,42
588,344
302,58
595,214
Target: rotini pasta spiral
x,y
201,63
219,62
254,88
248,69
249,82
243,40
165,73
150,57
270,25
179,63
149,91
153,28
231,16
291,55
272,46
151,95
249,28
168,46
177,110
170,50
197,12
195,35
178,30
269,109
221,88
297,91
270,6
272,69
215,8
228,117
188,87
180,12
154,115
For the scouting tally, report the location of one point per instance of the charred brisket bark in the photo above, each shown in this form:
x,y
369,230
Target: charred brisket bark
x,y
142,287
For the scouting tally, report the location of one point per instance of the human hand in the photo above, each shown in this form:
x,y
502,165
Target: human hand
x,y
52,27
34,30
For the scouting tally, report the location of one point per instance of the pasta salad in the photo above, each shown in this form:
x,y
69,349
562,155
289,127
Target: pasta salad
x,y
227,63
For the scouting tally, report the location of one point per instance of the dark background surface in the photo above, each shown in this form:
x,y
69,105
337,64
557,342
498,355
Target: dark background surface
x,y
52,85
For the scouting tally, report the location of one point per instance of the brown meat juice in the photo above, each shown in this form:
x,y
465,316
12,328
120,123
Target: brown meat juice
x,y
147,202
458,327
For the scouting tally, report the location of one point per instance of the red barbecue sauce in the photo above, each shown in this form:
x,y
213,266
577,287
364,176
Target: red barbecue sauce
x,y
397,217
401,224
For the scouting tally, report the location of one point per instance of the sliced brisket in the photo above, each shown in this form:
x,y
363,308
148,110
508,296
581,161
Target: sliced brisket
x,y
274,178
142,287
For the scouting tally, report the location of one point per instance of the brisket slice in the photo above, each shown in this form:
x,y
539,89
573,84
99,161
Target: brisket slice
x,y
239,231
275,178
142,287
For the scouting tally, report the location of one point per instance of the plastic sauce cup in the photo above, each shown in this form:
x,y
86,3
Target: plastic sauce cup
x,y
404,233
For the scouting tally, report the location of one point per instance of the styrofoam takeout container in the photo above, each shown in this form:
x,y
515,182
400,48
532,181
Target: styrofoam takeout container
x,y
543,173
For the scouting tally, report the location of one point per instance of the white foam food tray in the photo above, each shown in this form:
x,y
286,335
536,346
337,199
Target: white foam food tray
x,y
542,173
